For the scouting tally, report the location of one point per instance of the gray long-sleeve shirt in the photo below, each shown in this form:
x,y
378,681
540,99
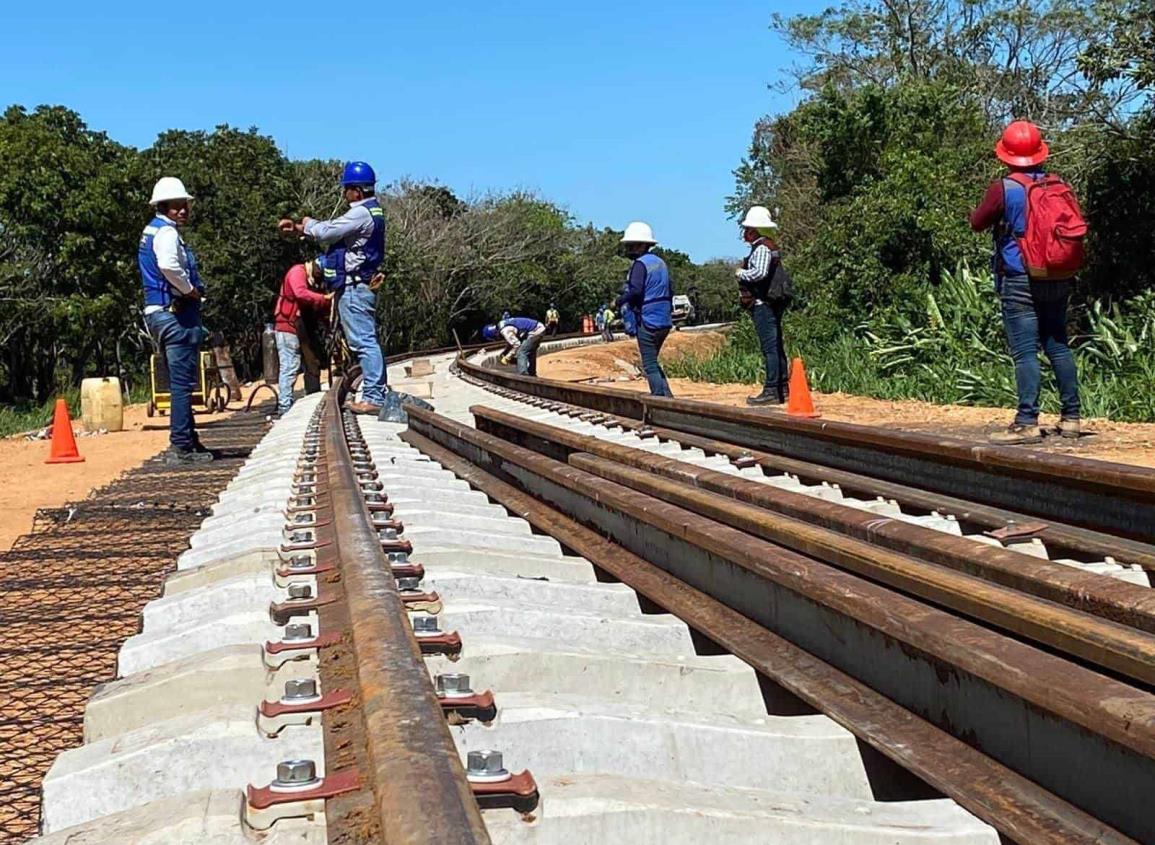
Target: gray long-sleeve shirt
x,y
354,227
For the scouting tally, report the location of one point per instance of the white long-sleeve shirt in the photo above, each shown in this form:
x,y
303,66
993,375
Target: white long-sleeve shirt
x,y
172,259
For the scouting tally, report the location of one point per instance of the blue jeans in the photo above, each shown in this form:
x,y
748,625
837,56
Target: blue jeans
x,y
289,354
358,311
768,323
649,345
527,355
1034,315
178,337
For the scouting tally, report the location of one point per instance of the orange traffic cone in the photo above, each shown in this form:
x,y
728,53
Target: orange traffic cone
x,y
800,404
64,449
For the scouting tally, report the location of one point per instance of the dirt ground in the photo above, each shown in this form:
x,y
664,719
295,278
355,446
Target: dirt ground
x,y
614,364
27,483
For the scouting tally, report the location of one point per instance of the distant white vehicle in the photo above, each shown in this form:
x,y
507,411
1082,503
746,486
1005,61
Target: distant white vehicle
x,y
683,309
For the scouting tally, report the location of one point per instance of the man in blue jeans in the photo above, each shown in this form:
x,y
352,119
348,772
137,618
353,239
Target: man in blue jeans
x,y
523,335
172,298
1034,311
356,248
649,294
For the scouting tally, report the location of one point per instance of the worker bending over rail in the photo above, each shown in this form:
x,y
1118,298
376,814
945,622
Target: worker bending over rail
x,y
523,335
172,312
356,248
300,310
647,303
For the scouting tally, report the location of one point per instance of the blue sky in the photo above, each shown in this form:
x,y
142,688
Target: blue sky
x,y
617,111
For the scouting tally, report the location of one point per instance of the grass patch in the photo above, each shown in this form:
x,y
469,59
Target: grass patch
x,y
30,416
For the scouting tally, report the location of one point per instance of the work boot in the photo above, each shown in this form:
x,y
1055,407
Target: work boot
x,y
1070,428
174,457
1017,434
363,408
766,397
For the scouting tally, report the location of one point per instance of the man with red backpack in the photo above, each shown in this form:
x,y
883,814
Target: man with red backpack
x,y
1038,232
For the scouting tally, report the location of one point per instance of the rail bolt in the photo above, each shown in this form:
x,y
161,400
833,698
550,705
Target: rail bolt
x,y
297,632
300,562
398,557
409,584
452,685
302,518
300,690
299,592
387,533
425,626
486,767
293,775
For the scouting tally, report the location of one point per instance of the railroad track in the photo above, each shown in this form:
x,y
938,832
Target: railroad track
x,y
685,621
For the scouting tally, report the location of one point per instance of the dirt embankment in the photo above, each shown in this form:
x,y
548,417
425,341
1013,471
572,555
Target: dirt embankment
x,y
616,364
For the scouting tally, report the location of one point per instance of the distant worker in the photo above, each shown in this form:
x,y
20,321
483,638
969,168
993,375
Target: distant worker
x,y
765,302
1038,234
172,312
648,295
552,318
600,318
523,335
300,310
608,318
357,245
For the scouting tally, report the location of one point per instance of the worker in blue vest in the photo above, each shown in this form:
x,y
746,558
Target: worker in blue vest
x,y
355,248
523,335
173,292
649,295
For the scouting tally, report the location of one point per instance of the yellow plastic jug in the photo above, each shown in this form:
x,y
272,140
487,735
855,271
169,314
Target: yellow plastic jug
x,y
101,405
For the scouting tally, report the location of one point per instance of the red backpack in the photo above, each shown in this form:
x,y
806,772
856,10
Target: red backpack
x,y
1052,245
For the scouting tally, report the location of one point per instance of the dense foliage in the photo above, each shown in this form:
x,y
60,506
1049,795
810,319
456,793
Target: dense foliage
x,y
873,174
73,202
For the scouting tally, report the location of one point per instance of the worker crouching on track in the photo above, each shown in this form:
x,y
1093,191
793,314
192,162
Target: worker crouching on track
x,y
301,308
523,334
1038,233
649,298
763,291
356,242
173,292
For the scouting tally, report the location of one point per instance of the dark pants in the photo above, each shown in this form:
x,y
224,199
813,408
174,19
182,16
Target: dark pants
x,y
551,329
1034,316
768,324
312,342
178,337
527,355
650,345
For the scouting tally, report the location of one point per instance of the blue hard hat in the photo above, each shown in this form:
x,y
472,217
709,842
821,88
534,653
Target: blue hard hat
x,y
489,332
358,173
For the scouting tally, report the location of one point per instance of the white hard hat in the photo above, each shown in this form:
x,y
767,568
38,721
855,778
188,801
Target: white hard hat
x,y
759,217
168,188
638,233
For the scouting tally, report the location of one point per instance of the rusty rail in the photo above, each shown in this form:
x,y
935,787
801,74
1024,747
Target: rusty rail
x,y
419,789
1099,495
1086,737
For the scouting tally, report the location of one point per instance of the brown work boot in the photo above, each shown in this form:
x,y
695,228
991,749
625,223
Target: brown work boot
x,y
1016,435
363,408
1070,428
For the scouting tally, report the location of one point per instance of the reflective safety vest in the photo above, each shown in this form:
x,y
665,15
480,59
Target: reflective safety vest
x,y
524,326
658,294
157,290
333,262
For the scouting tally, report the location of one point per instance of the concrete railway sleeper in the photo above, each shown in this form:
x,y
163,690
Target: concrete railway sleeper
x,y
1086,737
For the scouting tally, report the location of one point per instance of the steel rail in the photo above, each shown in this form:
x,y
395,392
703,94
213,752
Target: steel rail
x,y
1101,495
1018,808
1109,598
1030,710
420,792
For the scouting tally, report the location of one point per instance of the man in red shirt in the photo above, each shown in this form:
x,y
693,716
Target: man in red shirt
x,y
299,311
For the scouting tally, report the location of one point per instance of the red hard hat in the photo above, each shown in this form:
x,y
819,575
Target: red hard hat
x,y
1022,145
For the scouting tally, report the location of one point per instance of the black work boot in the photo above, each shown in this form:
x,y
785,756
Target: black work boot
x,y
178,457
768,396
